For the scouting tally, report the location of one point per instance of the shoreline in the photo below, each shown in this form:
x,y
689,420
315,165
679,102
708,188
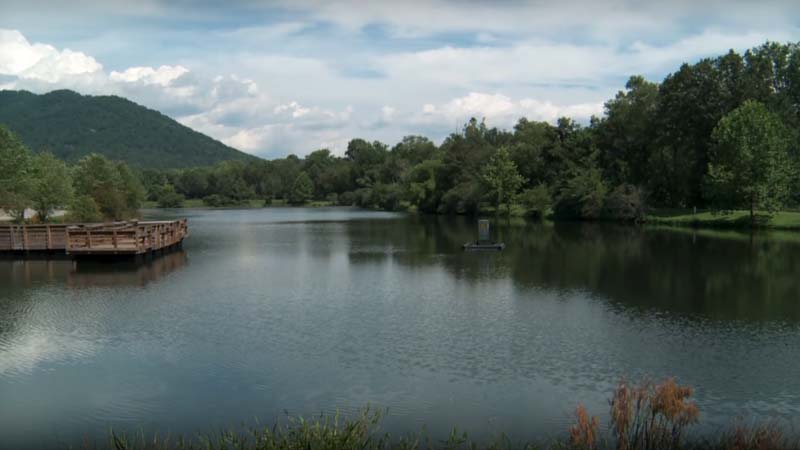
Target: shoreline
x,y
736,220
686,219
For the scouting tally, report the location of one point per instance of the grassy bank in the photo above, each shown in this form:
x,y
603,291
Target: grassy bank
x,y
644,416
784,220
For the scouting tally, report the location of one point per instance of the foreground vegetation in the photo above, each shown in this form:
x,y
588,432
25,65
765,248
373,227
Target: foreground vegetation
x,y
722,134
647,416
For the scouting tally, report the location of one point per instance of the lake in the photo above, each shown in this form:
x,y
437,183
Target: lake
x,y
305,311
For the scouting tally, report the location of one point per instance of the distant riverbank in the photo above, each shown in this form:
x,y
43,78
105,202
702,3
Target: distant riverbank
x,y
783,220
247,204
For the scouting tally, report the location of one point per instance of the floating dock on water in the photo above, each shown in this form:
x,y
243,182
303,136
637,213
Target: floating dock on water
x,y
483,242
492,246
115,238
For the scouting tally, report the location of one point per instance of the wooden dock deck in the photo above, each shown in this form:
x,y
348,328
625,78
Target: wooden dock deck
x,y
117,238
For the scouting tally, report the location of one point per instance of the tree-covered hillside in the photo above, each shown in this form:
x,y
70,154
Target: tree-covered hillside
x,y
71,126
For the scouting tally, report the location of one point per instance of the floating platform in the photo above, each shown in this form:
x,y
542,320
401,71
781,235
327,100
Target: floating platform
x,y
115,238
482,246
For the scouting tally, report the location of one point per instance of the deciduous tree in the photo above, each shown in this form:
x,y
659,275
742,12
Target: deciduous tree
x,y
502,178
52,185
749,164
16,175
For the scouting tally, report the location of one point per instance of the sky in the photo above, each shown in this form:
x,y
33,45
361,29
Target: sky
x,y
273,78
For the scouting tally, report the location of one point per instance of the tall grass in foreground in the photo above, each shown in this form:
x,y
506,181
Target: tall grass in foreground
x,y
644,416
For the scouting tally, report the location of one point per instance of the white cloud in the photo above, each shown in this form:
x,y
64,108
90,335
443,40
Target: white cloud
x,y
41,62
388,112
161,76
500,110
293,107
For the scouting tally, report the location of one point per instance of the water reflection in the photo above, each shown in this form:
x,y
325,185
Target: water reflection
x,y
722,275
81,273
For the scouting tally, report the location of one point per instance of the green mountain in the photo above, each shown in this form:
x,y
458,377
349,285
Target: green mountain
x,y
71,125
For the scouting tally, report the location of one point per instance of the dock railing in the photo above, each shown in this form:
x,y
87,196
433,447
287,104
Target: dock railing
x,y
97,238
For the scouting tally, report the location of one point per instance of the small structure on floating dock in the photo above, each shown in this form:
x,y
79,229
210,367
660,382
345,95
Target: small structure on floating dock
x,y
484,242
116,238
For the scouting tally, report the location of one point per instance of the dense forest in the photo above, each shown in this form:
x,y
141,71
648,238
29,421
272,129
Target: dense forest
x,y
71,126
720,134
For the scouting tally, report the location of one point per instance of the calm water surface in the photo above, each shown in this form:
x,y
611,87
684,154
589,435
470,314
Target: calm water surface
x,y
314,310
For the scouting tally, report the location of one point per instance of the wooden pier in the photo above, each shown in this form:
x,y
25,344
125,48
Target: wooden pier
x,y
117,238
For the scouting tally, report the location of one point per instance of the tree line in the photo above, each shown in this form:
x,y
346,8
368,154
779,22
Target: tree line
x,y
94,189
719,134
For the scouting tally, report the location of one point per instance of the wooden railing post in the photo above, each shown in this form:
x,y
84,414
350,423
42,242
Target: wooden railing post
x,y
25,244
49,238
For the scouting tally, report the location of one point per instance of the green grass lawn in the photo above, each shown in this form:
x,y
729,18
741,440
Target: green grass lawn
x,y
784,220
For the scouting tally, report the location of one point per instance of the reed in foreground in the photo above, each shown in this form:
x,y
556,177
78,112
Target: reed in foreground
x,y
643,416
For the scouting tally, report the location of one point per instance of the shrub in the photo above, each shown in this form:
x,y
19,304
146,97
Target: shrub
x,y
386,196
582,196
347,198
215,200
464,198
537,201
626,202
168,198
83,208
333,198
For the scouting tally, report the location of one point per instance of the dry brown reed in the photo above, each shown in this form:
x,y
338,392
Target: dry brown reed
x,y
651,416
756,437
583,435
